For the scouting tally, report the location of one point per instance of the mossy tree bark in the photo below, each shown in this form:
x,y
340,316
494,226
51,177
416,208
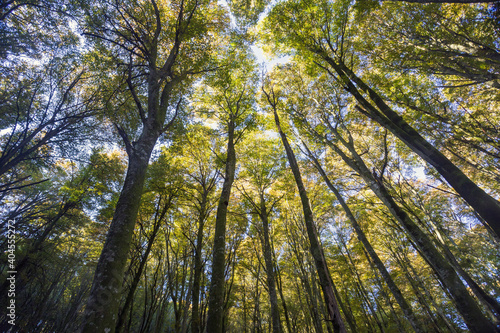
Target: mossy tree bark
x,y
216,296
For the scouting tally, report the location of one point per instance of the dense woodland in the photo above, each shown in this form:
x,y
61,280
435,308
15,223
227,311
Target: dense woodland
x,y
163,177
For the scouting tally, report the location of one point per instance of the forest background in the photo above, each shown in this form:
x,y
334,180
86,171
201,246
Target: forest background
x,y
160,179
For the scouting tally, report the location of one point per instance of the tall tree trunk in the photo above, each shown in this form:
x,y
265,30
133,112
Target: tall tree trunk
x,y
101,312
216,296
268,258
310,296
492,306
137,277
464,302
362,289
401,327
198,266
405,307
417,284
316,249
256,321
346,310
279,284
485,205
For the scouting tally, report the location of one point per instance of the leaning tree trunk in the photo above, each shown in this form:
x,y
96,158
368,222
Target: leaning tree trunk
x,y
464,302
485,205
216,296
405,307
316,249
102,306
137,276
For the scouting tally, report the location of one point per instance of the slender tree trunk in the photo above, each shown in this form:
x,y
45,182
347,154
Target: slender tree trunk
x,y
216,296
489,302
401,327
279,284
362,289
405,307
425,299
268,258
137,277
464,302
315,246
256,321
346,310
310,297
33,249
485,205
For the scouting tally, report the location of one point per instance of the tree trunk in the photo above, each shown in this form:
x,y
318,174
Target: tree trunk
x,y
396,319
268,258
417,284
315,246
137,277
102,306
405,307
198,266
464,302
279,284
216,296
363,292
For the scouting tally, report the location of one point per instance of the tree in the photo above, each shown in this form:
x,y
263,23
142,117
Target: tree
x,y
407,310
136,144
230,99
466,305
262,166
328,50
155,52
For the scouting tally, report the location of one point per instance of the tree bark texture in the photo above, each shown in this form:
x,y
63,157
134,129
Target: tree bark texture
x,y
101,312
